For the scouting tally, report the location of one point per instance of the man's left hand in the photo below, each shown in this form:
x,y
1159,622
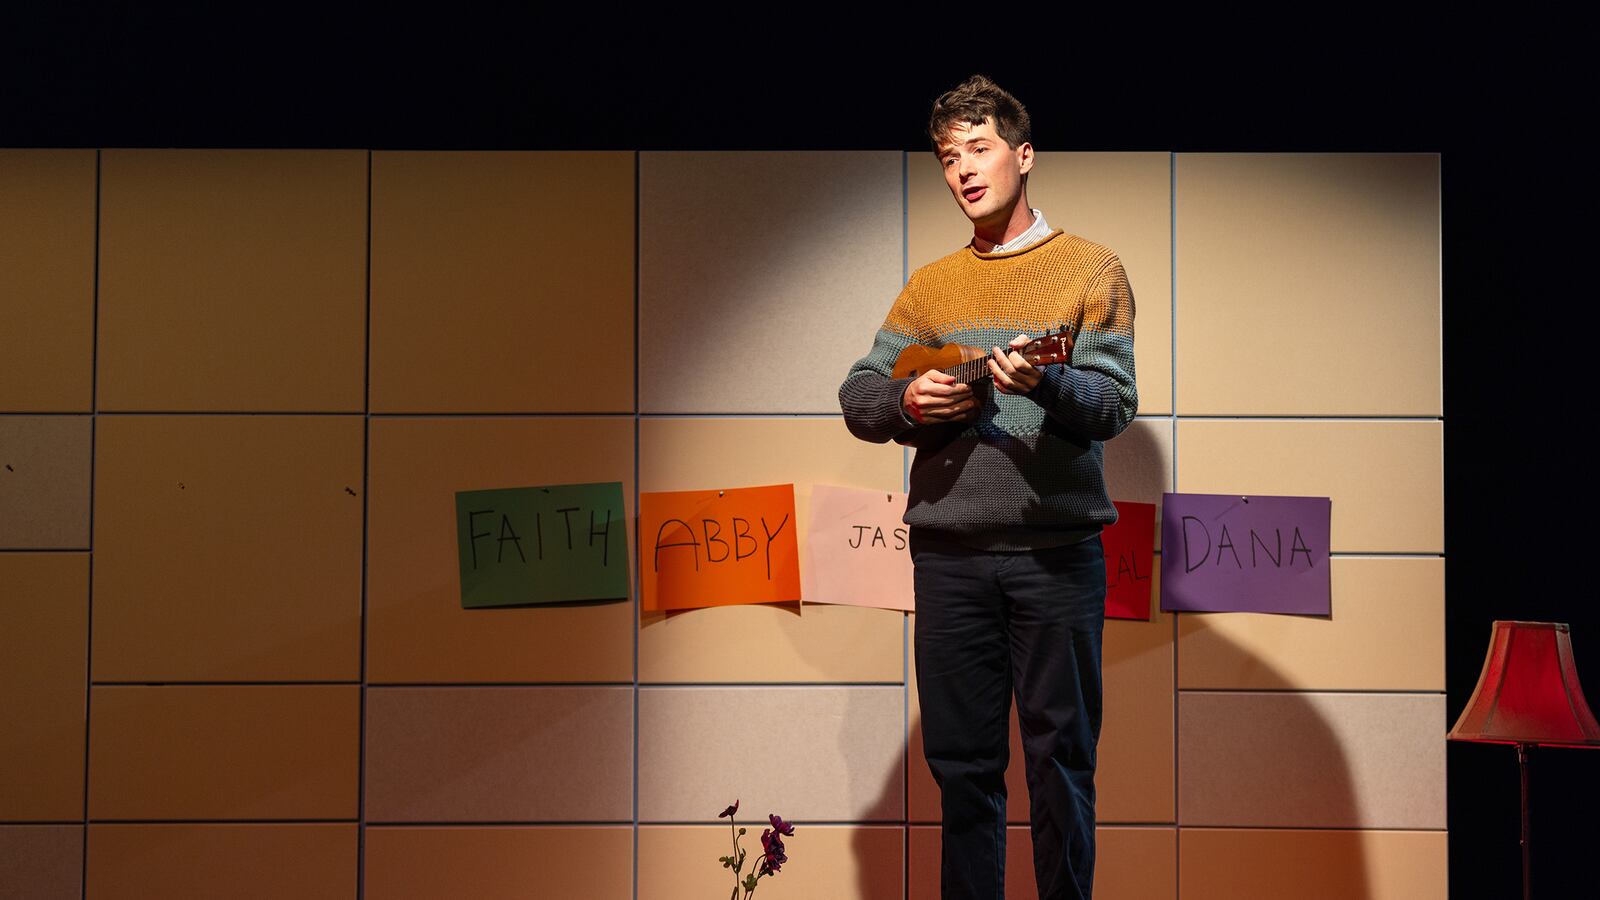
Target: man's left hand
x,y
1013,374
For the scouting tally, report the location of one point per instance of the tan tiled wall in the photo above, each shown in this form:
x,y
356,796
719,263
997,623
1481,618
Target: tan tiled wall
x,y
228,584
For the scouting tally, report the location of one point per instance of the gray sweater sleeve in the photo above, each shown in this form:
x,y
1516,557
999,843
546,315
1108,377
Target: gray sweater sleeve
x,y
870,396
871,405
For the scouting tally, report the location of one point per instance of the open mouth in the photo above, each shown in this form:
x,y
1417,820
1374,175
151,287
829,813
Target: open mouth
x,y
974,194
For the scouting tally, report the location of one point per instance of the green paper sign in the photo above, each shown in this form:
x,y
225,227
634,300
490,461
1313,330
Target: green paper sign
x,y
542,544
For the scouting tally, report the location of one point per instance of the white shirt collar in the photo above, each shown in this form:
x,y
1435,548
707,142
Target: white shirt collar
x,y
1035,233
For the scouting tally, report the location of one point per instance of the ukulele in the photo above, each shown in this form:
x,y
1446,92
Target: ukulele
x,y
969,365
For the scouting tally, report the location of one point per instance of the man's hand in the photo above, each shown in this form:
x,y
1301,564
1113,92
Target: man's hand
x,y
935,397
1012,373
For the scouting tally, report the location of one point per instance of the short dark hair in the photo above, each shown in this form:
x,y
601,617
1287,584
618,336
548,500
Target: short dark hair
x,y
973,101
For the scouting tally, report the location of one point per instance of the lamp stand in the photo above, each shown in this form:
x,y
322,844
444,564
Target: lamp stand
x,y
1527,836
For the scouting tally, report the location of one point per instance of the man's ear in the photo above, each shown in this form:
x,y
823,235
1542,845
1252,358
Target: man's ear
x,y
1025,156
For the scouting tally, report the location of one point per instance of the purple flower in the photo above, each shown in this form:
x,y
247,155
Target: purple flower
x,y
729,811
780,826
772,845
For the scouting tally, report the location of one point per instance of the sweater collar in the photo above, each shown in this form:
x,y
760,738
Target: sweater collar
x,y
1034,234
1007,254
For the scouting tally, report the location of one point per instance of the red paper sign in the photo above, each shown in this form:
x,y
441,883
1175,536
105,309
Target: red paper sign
x,y
1130,558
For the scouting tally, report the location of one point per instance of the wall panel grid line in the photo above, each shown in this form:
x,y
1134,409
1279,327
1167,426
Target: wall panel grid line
x,y
1385,554
52,822
1172,273
1222,417
637,576
366,512
207,413
905,482
1311,828
760,685
241,683
1302,691
386,685
1023,822
509,823
109,820
94,406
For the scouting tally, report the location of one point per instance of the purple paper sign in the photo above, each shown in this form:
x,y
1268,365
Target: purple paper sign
x,y
1227,553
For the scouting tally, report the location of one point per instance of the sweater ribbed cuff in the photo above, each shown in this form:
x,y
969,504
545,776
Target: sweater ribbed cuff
x,y
872,408
1081,399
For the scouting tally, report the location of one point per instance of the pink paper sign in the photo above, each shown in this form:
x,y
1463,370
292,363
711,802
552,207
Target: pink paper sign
x,y
857,549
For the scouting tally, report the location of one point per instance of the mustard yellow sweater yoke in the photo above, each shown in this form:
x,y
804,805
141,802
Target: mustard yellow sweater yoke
x,y
1029,472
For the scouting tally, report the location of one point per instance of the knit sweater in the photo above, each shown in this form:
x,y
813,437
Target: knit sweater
x,y
1029,471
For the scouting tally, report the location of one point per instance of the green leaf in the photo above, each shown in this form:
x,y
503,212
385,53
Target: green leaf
x,y
750,882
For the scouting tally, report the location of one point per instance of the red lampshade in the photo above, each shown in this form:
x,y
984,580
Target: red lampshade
x,y
1528,692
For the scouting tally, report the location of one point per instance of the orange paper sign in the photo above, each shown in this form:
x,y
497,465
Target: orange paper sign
x,y
718,548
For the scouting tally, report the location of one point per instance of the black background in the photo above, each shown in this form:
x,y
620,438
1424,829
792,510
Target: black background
x,y
1496,103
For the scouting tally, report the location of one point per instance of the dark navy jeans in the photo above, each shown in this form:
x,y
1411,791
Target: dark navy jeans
x,y
989,623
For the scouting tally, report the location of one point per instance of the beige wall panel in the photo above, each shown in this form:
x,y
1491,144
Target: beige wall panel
x,y
842,752
1134,863
44,637
768,642
1386,634
47,230
233,280
763,276
772,643
45,464
1311,760
228,548
416,628
1138,465
1120,200
1133,777
243,752
491,272
499,754
240,862
1386,478
504,863
41,862
1308,284
833,862
1130,863
1251,864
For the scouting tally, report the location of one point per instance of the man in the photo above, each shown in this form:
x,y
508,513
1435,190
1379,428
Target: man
x,y
1007,499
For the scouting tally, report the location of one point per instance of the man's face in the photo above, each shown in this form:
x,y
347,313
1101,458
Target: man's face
x,y
983,173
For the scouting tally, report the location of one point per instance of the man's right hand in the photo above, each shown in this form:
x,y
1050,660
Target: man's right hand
x,y
935,397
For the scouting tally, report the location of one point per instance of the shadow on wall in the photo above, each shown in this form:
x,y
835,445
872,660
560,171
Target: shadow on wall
x,y
1284,769
1261,771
